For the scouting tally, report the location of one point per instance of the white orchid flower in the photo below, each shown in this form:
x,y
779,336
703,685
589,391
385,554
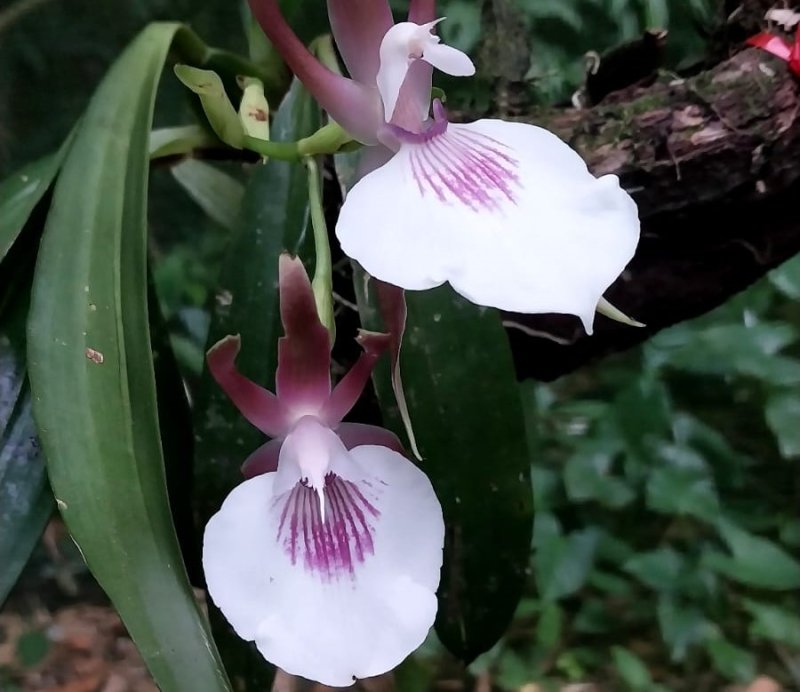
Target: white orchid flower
x,y
328,556
505,212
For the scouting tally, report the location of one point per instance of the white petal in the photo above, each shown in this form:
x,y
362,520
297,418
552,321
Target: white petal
x,y
390,80
395,59
506,212
313,608
449,60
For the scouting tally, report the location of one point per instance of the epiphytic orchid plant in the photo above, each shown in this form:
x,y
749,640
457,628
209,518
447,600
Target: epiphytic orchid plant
x,y
505,212
327,553
239,527
328,556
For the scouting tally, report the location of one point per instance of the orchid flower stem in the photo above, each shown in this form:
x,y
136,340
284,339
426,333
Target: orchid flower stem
x,y
322,284
322,48
282,151
329,139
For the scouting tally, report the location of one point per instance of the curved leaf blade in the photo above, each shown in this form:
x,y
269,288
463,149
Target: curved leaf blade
x,y
26,502
92,376
22,191
218,194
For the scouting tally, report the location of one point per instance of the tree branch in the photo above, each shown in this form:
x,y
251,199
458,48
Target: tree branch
x,y
713,162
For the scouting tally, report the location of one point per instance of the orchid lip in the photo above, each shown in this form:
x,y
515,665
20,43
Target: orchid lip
x,y
505,212
335,599
456,165
330,544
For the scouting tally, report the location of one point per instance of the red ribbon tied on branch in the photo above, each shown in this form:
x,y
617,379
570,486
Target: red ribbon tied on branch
x,y
780,47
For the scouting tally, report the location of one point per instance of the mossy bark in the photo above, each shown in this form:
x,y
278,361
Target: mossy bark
x,y
713,162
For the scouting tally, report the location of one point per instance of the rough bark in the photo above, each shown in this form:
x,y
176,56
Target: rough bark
x,y
713,162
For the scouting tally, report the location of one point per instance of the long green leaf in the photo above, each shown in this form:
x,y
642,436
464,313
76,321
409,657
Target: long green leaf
x,y
92,376
22,191
467,416
218,194
177,435
274,219
26,502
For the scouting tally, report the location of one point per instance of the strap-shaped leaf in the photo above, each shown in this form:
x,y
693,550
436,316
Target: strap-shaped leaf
x,y
22,191
26,502
92,378
218,194
274,219
467,416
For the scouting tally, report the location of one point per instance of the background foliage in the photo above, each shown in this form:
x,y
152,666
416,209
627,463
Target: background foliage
x,y
665,480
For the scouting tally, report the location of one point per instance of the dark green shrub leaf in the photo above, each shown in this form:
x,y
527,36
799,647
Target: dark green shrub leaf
x,y
562,563
786,279
730,348
216,193
549,626
682,626
731,661
783,414
773,622
587,476
756,561
676,490
643,413
467,416
631,669
22,191
32,647
659,569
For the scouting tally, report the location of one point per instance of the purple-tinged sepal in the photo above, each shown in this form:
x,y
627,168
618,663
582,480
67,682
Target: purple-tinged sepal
x,y
350,387
261,407
303,380
354,105
422,11
359,41
392,306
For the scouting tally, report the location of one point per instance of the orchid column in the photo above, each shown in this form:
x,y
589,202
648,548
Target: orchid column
x,y
507,213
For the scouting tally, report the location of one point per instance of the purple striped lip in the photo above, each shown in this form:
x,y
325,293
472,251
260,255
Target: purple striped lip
x,y
457,164
467,167
333,547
